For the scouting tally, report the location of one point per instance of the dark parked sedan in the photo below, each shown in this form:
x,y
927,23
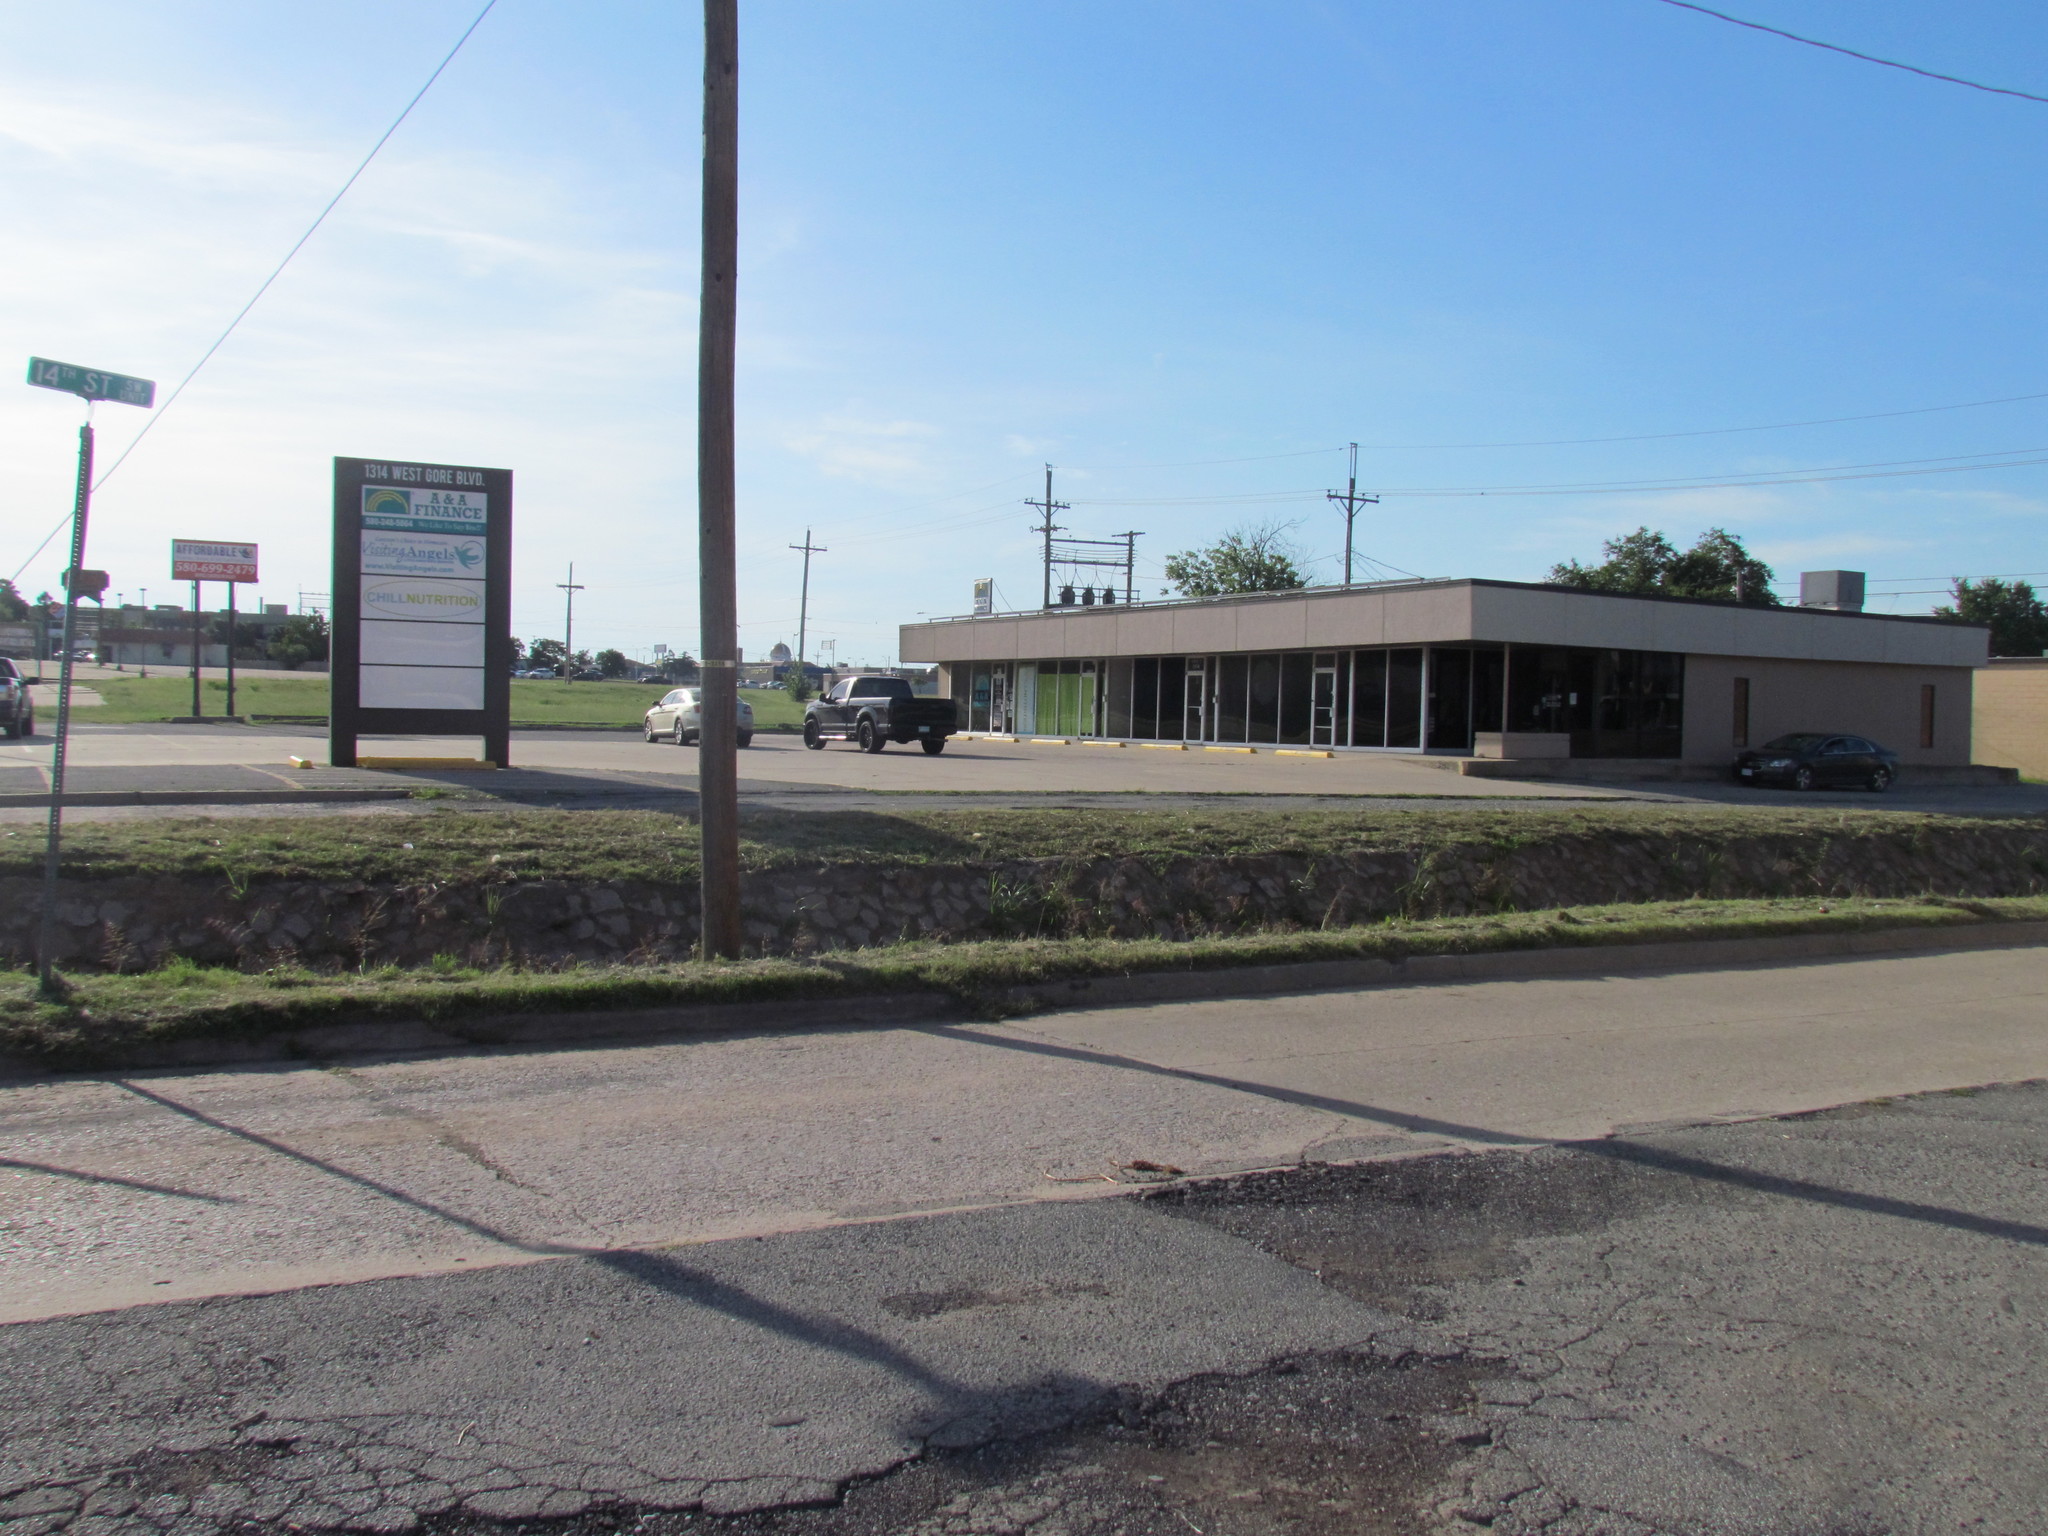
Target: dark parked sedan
x,y
1809,760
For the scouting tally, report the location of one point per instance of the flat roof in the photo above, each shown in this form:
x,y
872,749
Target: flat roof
x,y
1447,610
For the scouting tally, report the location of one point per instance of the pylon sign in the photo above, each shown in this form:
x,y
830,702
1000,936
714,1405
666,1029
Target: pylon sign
x,y
422,627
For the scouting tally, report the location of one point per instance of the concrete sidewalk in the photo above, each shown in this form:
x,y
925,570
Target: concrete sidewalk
x,y
372,1167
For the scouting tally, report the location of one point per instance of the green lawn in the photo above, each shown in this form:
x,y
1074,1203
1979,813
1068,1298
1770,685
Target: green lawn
x,y
661,847
535,701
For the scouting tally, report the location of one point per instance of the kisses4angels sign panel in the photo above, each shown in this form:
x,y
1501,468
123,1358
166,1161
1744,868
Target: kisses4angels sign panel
x,y
422,604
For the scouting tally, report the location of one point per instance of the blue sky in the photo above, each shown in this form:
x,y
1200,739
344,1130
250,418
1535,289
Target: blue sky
x,y
1130,237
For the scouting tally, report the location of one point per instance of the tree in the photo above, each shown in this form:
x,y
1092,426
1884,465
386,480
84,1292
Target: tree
x,y
13,607
612,663
679,666
796,683
2018,619
1260,559
545,653
299,639
1647,562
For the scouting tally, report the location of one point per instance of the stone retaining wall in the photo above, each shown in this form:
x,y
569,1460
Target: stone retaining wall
x,y
135,923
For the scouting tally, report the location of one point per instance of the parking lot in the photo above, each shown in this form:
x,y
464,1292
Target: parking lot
x,y
195,762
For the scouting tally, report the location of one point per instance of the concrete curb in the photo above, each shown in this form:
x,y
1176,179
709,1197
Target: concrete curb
x,y
1510,964
619,1027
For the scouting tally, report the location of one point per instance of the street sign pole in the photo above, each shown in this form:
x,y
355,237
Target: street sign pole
x,y
231,650
46,962
88,384
196,621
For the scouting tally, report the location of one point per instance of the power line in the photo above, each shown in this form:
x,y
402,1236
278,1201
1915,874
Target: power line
x,y
2008,458
1868,58
1658,437
242,314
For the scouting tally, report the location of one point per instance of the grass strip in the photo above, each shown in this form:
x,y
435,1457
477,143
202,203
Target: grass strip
x,y
108,1017
303,696
454,845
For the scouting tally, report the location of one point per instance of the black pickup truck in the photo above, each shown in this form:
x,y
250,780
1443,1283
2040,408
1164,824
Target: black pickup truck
x,y
875,711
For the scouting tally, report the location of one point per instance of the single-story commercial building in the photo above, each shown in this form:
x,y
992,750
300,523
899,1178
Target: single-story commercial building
x,y
1468,667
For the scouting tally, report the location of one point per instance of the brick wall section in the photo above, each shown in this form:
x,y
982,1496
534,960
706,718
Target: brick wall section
x,y
2011,716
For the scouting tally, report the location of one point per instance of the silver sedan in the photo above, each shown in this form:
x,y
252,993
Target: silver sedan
x,y
677,716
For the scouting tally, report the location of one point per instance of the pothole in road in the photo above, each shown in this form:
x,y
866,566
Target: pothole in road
x,y
1333,1445
1390,1234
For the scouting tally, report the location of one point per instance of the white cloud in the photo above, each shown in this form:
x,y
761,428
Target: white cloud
x,y
891,455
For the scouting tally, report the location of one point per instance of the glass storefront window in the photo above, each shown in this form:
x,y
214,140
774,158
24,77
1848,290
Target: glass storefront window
x,y
1404,698
1611,703
1233,685
1369,699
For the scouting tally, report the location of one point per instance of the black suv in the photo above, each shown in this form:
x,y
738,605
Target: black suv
x,y
17,710
1811,760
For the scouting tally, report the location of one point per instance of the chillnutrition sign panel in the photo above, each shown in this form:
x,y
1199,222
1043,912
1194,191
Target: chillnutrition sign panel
x,y
422,603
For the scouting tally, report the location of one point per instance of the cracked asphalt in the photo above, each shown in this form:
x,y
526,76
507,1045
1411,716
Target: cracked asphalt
x,y
1829,1323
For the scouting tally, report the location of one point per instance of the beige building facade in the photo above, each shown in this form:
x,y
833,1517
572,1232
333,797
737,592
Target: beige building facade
x,y
2009,717
1486,668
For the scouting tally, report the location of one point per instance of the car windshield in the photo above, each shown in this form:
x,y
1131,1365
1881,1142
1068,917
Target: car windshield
x,y
1798,741
880,688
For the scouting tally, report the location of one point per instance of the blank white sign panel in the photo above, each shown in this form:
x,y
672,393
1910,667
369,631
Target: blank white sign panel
x,y
422,688
394,642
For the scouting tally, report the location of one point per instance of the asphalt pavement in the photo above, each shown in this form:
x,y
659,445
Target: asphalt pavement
x,y
116,767
1441,1276
1828,1324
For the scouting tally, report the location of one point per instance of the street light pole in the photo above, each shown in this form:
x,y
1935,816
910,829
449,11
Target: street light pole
x,y
718,797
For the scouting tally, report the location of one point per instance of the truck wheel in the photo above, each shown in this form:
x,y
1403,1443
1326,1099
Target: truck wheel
x,y
934,745
870,739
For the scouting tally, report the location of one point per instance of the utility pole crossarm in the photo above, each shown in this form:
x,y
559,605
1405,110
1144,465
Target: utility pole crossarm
x,y
1048,528
572,586
1351,501
803,612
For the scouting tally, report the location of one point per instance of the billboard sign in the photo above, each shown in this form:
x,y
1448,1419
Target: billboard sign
x,y
207,560
422,638
985,595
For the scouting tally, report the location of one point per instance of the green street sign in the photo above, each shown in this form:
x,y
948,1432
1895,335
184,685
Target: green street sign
x,y
92,383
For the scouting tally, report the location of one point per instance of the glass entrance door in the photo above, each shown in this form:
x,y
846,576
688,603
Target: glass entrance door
x,y
1195,727
1322,709
999,701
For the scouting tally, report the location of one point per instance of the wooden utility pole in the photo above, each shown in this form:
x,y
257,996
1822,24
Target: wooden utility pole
x,y
1048,528
718,766
572,586
803,607
1351,501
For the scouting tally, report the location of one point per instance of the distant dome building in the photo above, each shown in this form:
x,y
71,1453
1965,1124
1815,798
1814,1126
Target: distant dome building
x,y
780,653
